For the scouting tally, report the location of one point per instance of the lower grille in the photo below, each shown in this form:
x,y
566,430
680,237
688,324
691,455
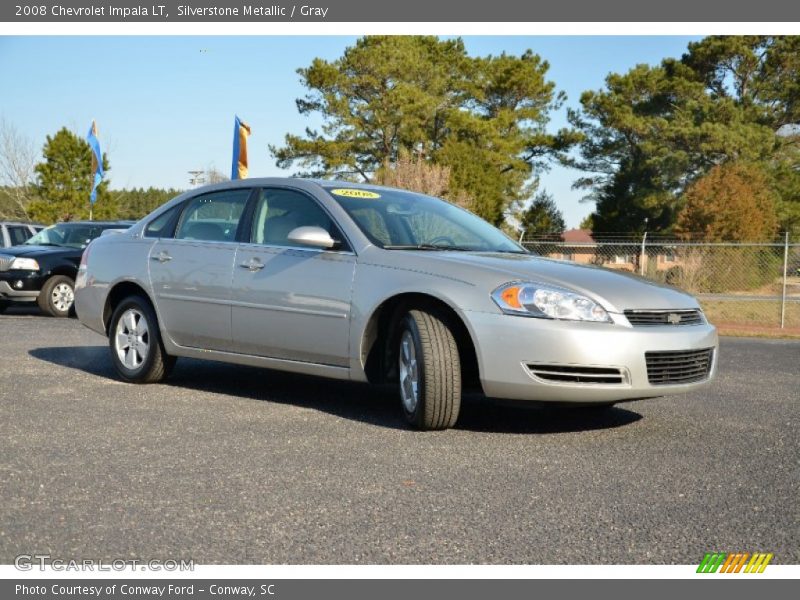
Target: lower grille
x,y
5,262
685,366
578,374
648,318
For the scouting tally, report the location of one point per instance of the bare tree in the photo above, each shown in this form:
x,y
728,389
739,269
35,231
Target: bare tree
x,y
17,162
214,175
415,173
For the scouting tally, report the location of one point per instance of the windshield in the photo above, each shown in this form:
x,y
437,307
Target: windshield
x,y
69,235
399,220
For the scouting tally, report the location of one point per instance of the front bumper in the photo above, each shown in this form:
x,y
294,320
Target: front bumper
x,y
19,286
505,345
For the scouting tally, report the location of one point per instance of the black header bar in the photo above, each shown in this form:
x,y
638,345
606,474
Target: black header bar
x,y
440,11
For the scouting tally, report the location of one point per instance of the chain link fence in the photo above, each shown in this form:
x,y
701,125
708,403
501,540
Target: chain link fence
x,y
747,286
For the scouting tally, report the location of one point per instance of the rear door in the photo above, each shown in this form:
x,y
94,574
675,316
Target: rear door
x,y
191,272
292,301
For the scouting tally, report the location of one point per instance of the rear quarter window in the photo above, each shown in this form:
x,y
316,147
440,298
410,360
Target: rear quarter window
x,y
163,226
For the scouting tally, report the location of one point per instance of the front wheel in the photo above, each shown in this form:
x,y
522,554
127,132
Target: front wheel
x,y
136,348
57,296
429,370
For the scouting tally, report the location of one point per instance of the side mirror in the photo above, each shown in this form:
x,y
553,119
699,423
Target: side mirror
x,y
316,237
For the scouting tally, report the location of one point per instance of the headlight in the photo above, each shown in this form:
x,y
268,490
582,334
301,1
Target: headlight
x,y
535,300
24,264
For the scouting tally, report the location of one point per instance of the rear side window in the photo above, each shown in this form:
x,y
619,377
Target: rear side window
x,y
163,226
80,235
18,235
213,217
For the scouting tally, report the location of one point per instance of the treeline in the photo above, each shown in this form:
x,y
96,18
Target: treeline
x,y
58,186
130,204
136,203
707,143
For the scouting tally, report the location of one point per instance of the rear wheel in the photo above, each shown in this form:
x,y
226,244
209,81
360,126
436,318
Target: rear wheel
x,y
429,371
57,296
136,348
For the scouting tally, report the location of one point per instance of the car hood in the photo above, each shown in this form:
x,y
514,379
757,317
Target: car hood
x,y
615,290
34,251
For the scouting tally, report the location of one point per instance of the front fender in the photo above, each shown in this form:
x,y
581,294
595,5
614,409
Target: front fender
x,y
374,285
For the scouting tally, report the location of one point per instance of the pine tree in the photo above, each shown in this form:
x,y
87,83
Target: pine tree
x,y
64,182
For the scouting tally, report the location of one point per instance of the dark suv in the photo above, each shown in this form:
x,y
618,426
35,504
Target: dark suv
x,y
43,269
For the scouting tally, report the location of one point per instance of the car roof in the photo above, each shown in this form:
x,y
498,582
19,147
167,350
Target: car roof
x,y
297,182
112,223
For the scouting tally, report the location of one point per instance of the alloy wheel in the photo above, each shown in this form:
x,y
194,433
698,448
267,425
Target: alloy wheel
x,y
409,372
132,339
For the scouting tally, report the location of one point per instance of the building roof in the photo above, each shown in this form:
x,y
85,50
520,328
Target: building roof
x,y
578,236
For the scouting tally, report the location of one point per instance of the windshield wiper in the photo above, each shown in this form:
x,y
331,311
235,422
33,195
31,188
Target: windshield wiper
x,y
42,244
426,247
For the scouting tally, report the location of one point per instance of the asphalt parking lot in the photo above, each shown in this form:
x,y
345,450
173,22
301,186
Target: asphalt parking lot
x,y
230,464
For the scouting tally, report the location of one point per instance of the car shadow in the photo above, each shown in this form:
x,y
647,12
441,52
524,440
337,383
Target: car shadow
x,y
375,405
23,310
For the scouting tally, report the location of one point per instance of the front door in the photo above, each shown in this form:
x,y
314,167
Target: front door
x,y
290,301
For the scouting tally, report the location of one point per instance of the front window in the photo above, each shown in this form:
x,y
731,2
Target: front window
x,y
68,235
400,220
279,211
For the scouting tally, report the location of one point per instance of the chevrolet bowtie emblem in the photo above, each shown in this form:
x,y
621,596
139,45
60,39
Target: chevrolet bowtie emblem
x,y
673,318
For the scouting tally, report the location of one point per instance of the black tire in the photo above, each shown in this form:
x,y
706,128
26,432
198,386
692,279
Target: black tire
x,y
54,300
3,306
438,371
156,364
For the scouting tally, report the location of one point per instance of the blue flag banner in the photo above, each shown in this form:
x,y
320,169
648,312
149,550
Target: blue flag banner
x,y
241,131
97,161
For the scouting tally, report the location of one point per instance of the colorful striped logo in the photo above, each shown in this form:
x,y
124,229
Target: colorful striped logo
x,y
743,562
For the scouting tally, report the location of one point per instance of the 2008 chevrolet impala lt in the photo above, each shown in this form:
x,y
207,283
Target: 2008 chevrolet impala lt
x,y
376,284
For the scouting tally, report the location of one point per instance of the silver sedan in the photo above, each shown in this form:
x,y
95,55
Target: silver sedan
x,y
375,284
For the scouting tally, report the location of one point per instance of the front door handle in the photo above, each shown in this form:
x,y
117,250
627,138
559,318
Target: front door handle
x,y
252,265
161,257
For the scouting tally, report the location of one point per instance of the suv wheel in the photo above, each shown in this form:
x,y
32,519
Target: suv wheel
x,y
136,348
57,296
430,371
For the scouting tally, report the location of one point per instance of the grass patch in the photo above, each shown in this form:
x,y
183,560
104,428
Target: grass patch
x,y
753,318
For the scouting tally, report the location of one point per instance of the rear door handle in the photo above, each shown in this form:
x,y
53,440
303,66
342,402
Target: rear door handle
x,y
252,265
161,257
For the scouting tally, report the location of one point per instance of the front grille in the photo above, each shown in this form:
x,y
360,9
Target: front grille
x,y
577,374
684,366
649,318
5,262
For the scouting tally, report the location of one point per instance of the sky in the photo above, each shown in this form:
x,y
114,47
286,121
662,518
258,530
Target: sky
x,y
165,105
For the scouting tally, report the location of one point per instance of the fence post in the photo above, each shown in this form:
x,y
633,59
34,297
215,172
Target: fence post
x,y
785,270
642,255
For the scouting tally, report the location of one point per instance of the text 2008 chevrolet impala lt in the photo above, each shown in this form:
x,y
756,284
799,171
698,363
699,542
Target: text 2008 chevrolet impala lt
x,y
376,284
